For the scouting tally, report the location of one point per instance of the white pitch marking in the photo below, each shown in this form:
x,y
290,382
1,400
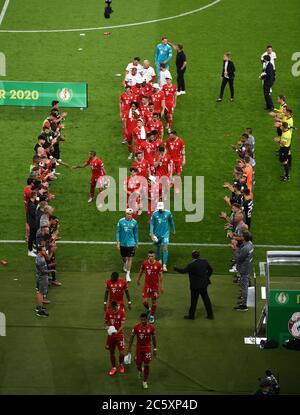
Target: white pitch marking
x,y
117,26
17,241
3,11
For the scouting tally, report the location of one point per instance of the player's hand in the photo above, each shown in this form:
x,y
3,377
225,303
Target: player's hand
x,y
183,162
174,233
73,167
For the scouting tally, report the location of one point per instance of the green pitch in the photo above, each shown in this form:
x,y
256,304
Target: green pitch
x,y
65,353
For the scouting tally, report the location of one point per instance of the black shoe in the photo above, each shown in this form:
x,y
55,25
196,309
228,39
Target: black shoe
x,y
285,179
42,313
219,100
189,318
210,317
241,307
38,308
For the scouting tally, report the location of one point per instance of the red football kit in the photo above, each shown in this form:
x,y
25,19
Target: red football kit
x,y
175,149
155,125
149,149
170,93
165,166
143,167
125,100
116,291
143,342
137,136
151,272
97,167
157,98
116,320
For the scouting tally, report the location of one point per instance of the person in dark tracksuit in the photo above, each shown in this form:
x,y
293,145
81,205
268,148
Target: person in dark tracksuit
x,y
180,67
268,78
244,258
199,272
31,213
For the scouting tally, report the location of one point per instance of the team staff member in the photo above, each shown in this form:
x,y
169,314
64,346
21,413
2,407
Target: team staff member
x,y
285,144
163,54
268,77
127,240
227,76
199,272
181,67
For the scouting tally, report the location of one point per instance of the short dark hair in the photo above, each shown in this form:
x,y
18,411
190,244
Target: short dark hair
x,y
164,37
247,236
173,132
114,275
137,58
180,46
40,248
54,103
285,124
162,65
195,254
269,46
93,152
133,169
289,110
143,315
41,137
151,103
30,180
282,97
267,58
161,148
151,251
135,103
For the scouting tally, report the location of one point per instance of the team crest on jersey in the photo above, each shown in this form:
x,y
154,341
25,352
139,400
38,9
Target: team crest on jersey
x,y
65,94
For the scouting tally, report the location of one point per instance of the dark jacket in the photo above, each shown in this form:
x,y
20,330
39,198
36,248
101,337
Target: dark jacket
x,y
31,211
269,77
199,272
230,69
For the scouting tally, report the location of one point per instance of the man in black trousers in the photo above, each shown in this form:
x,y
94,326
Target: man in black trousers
x,y
199,272
268,77
227,76
181,67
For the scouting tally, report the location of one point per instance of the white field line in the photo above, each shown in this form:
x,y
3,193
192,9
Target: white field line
x,y
116,26
3,11
16,241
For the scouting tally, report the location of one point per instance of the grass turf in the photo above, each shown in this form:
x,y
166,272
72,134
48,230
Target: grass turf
x,y
66,356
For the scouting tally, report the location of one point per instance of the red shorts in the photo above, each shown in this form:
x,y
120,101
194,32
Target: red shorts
x,y
143,356
115,340
169,109
100,182
177,166
149,292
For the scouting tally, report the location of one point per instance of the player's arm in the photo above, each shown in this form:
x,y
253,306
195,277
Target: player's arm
x,y
128,298
171,222
105,298
183,156
184,65
157,54
152,224
118,235
170,53
140,275
136,235
182,270
121,326
154,343
161,282
80,166
130,342
163,106
103,169
120,107
172,44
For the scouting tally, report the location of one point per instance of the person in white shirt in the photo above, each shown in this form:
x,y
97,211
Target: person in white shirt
x,y
131,77
164,74
272,55
147,72
134,64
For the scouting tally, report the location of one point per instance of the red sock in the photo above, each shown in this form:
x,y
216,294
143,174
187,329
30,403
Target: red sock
x,y
112,359
146,373
153,309
121,359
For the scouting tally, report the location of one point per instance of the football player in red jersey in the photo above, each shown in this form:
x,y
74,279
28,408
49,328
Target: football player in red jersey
x,y
153,286
98,173
142,165
131,118
124,104
176,148
158,98
114,291
149,148
139,135
144,109
133,187
154,123
169,90
144,333
115,317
